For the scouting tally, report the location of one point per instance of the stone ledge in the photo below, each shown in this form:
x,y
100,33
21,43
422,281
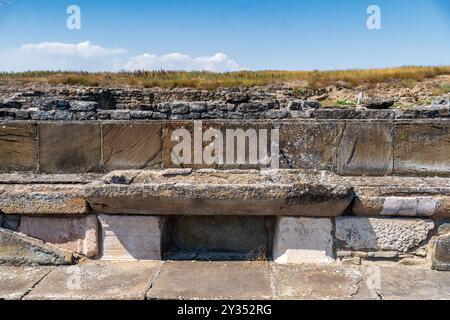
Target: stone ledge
x,y
210,192
216,192
43,199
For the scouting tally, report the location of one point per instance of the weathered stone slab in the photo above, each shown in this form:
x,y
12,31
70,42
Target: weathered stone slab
x,y
16,249
23,178
220,237
18,281
303,240
386,234
79,235
398,206
205,281
245,139
366,149
412,283
97,281
206,192
422,148
401,196
311,282
42,199
439,249
131,237
132,146
309,145
69,148
18,145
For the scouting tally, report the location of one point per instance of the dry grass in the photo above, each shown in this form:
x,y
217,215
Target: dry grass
x,y
209,80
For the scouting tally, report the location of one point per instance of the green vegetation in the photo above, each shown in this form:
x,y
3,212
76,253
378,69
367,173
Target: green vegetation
x,y
210,80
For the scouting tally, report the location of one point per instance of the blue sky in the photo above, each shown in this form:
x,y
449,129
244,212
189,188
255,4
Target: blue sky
x,y
221,35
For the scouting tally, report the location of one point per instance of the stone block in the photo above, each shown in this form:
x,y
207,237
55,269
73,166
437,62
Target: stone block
x,y
387,234
97,281
131,237
303,240
221,192
18,147
366,149
132,146
42,199
215,281
234,135
18,250
439,251
309,145
16,282
79,235
422,148
316,282
69,148
420,206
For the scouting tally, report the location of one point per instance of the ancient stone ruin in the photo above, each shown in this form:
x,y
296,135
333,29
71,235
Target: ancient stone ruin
x,y
97,174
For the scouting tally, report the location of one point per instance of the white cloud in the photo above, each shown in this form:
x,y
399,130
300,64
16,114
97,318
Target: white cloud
x,y
62,56
87,56
85,50
178,61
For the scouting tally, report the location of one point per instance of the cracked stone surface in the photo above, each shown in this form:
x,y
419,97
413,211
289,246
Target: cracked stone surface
x,y
94,281
16,282
222,280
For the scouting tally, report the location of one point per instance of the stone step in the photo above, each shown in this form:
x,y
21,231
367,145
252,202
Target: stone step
x,y
212,192
290,216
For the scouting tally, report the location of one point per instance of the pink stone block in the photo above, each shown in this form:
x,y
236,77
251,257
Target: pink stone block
x,y
79,235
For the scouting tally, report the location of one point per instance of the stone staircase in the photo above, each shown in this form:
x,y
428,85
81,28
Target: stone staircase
x,y
346,191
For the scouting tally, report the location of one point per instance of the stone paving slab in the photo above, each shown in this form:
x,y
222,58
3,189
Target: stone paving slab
x,y
222,280
97,281
414,283
314,282
16,282
205,281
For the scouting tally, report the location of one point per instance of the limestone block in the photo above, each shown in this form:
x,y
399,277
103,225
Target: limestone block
x,y
42,199
439,249
303,240
366,149
131,237
220,192
420,206
69,147
309,145
18,147
17,249
386,234
132,146
79,235
245,135
422,148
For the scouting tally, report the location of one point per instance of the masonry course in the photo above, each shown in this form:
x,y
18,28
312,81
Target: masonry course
x,y
92,171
